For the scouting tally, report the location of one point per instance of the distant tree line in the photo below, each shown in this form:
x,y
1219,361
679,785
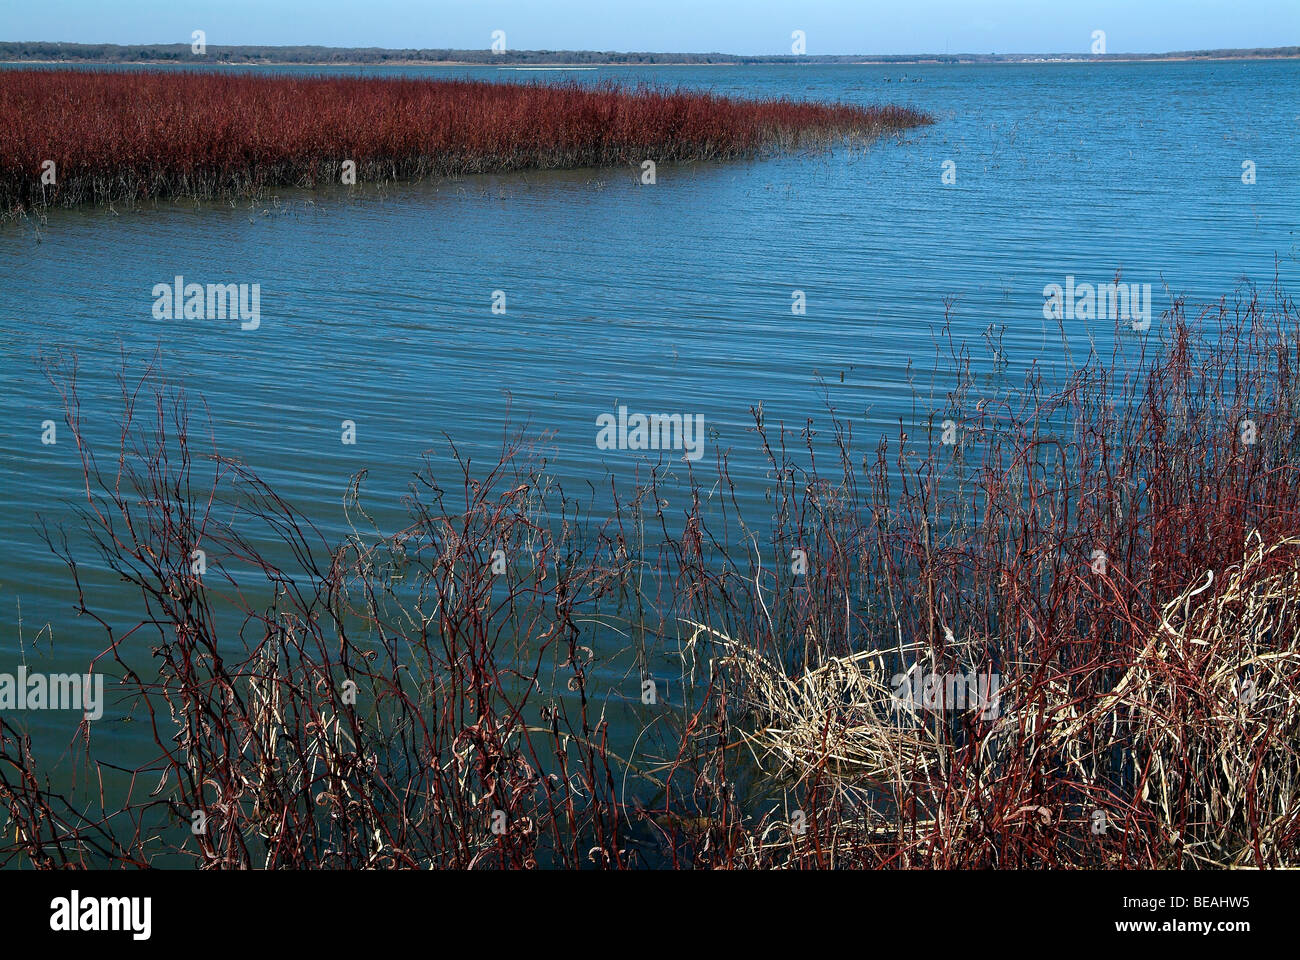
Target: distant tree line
x,y
181,53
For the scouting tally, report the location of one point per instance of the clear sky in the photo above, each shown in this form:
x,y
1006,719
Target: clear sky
x,y
695,26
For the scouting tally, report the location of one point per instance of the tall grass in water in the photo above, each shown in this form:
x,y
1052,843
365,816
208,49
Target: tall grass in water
x,y
129,136
1149,703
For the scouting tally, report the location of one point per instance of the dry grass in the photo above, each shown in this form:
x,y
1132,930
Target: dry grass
x,y
836,718
1216,689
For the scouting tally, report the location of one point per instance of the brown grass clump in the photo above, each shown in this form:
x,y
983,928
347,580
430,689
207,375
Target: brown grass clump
x,y
838,717
1216,689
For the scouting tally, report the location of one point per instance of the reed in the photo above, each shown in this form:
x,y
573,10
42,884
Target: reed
x,y
129,136
1119,544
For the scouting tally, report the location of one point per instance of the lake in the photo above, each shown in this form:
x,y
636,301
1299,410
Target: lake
x,y
376,305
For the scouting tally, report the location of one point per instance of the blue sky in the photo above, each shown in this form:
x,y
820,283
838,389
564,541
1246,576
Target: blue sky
x,y
728,26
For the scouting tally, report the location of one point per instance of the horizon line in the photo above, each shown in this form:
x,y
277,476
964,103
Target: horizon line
x,y
412,52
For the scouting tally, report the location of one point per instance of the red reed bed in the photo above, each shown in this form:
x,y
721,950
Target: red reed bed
x,y
123,136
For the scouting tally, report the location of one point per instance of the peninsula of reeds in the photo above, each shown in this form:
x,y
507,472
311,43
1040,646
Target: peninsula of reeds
x,y
76,136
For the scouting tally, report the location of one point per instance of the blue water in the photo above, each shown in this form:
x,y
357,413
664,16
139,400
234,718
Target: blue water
x,y
675,297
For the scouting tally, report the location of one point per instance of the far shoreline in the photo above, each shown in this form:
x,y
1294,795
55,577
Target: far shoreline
x,y
1092,61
